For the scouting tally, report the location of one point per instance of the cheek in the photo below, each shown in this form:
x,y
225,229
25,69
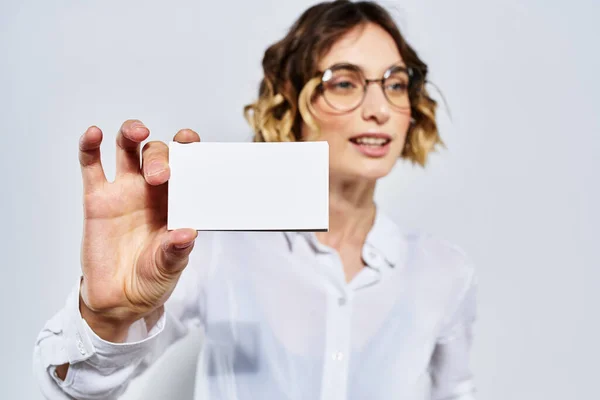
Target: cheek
x,y
337,129
402,121
334,127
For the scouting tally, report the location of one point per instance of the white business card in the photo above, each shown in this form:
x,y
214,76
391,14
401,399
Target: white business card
x,y
249,186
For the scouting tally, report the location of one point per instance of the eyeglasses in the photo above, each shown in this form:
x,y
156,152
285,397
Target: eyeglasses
x,y
344,86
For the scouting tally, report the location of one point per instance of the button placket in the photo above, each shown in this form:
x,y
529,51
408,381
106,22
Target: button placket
x,y
337,346
336,368
337,341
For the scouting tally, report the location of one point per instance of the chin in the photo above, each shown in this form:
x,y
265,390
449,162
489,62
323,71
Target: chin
x,y
374,173
370,170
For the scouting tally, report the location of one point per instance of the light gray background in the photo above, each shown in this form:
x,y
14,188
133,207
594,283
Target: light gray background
x,y
517,187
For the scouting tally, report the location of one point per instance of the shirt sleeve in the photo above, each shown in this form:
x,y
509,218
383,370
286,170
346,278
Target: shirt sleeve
x,y
451,375
102,370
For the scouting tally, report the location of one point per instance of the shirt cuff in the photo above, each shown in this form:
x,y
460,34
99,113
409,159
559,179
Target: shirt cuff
x,y
82,343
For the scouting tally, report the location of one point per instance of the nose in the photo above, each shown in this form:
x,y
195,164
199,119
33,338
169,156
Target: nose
x,y
375,105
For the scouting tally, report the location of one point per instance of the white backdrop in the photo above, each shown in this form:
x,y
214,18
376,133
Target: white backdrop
x,y
517,187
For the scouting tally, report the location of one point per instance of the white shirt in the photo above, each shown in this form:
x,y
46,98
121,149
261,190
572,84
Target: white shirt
x,y
280,322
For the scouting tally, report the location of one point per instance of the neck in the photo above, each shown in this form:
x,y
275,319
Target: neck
x,y
351,213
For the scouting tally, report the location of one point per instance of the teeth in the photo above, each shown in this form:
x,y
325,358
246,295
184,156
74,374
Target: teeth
x,y
371,141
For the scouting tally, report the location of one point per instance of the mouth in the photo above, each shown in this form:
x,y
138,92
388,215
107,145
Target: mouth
x,y
372,144
371,139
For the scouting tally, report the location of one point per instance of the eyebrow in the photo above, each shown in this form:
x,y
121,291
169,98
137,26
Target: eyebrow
x,y
398,63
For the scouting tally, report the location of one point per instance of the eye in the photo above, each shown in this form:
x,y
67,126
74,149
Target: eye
x,y
344,85
397,87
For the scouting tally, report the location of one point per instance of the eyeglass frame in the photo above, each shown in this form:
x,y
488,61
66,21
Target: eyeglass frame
x,y
410,71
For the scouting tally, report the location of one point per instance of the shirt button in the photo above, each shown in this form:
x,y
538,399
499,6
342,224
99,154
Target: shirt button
x,y
80,345
339,356
342,301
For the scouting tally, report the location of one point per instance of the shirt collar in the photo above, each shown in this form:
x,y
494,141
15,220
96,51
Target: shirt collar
x,y
384,242
385,238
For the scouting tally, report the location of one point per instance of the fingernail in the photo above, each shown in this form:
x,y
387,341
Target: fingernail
x,y
184,245
155,168
138,127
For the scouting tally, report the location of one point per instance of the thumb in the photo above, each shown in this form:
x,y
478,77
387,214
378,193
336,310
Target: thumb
x,y
175,248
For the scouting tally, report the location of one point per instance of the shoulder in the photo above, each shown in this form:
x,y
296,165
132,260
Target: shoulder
x,y
438,256
445,272
422,252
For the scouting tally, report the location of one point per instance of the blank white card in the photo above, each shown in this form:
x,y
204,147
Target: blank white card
x,y
249,186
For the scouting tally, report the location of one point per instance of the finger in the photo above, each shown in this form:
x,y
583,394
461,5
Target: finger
x,y
155,163
176,246
130,135
186,136
89,159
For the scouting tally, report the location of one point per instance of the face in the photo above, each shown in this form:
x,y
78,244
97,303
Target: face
x,y
355,136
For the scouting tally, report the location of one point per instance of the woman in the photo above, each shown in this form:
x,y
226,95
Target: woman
x,y
363,311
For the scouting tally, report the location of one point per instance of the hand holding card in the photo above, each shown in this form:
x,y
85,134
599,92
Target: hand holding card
x,y
130,261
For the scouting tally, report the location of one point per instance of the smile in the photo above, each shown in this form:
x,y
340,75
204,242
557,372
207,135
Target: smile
x,y
370,141
372,145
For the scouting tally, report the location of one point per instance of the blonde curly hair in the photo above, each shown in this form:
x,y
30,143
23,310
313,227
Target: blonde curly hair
x,y
290,66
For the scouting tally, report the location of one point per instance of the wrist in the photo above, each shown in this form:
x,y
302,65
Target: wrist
x,y
107,328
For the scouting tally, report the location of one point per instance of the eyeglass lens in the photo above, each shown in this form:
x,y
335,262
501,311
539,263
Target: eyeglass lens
x,y
345,88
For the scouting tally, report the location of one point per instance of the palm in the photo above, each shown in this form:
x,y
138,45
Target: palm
x,y
124,229
121,224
